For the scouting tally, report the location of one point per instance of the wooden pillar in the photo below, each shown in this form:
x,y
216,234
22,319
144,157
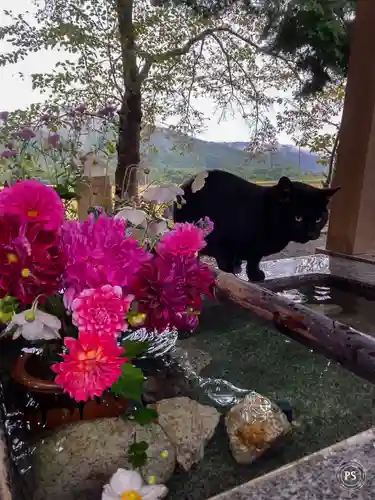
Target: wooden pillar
x,y
94,191
351,229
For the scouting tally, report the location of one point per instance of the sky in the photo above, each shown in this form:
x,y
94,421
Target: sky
x,y
17,93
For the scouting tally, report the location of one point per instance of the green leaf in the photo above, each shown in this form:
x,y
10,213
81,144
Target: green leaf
x,y
130,383
145,416
134,348
137,454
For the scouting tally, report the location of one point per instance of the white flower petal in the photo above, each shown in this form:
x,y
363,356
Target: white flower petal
x,y
199,181
50,333
19,319
48,320
17,333
33,330
124,480
133,215
109,494
156,228
154,492
164,193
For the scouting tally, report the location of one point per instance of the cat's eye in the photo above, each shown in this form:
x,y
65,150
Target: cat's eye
x,y
319,219
298,218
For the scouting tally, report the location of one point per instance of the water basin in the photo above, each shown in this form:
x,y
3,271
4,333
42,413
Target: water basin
x,y
346,301
329,402
251,353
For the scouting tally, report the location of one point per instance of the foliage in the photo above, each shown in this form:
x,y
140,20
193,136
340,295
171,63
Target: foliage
x,y
314,33
137,454
180,55
130,383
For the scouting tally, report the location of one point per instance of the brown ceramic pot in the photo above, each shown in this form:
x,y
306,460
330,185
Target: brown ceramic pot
x,y
57,408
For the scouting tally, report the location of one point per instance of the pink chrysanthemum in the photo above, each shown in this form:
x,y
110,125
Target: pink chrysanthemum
x,y
33,201
184,240
101,310
100,253
169,291
32,260
92,365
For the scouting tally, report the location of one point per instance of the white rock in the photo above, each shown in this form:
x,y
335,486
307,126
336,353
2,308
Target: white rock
x,y
254,425
189,426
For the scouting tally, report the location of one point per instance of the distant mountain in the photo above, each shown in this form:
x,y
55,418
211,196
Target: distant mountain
x,y
293,155
174,156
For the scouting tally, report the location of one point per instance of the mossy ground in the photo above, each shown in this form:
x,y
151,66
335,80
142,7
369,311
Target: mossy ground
x,y
329,402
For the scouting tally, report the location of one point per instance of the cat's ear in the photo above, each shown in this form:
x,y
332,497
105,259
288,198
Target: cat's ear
x,y
284,188
329,192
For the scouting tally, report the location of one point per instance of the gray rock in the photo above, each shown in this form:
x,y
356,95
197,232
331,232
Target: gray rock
x,y
77,460
254,425
189,425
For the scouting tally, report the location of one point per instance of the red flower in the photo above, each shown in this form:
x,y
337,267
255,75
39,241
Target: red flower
x,y
31,260
169,291
92,365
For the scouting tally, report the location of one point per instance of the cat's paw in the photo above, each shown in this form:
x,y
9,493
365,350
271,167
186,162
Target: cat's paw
x,y
255,275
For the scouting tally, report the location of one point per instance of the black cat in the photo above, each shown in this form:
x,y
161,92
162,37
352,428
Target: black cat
x,y
253,221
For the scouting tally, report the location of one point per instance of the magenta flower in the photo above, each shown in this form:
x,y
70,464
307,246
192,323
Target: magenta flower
x,y
54,140
92,365
32,201
101,310
206,225
26,134
169,291
184,240
9,153
99,253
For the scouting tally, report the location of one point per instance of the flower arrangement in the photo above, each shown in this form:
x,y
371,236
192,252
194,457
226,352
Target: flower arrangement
x,y
86,284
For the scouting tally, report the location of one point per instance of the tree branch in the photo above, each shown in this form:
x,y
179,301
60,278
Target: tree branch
x,y
150,59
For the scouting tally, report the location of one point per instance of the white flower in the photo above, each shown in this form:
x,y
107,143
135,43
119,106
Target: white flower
x,y
199,181
133,215
164,193
35,325
94,166
156,228
128,485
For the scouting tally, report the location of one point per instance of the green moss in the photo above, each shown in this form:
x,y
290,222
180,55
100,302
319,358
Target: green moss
x,y
329,402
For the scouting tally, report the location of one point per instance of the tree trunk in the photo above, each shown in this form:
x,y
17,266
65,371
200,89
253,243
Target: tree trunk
x,y
128,145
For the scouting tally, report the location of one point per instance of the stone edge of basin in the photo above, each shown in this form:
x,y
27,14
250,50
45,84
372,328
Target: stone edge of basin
x,y
5,479
315,476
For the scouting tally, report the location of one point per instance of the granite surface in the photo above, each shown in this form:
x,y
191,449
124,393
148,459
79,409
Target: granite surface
x,y
318,476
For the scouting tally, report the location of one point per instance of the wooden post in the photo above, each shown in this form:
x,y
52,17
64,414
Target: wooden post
x,y
351,229
94,191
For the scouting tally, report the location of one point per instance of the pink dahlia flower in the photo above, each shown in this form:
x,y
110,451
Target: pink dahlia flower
x,y
33,201
101,310
184,240
100,253
92,365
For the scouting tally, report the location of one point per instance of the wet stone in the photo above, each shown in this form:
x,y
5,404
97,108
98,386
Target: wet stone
x,y
78,459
